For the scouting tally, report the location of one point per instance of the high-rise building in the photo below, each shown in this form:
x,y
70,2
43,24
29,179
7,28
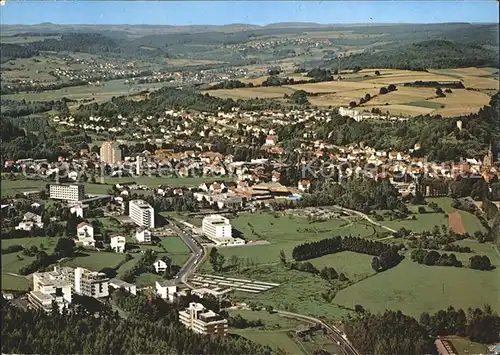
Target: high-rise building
x,y
110,154
72,192
202,321
142,213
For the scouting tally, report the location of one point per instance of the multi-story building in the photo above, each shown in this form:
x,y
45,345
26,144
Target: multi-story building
x,y
110,154
90,283
200,320
218,229
142,213
73,192
49,287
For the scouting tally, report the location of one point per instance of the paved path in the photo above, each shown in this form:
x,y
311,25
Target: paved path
x,y
361,214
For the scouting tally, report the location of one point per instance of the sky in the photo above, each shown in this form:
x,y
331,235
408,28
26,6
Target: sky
x,y
248,12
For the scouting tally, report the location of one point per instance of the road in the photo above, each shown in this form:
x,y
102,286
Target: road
x,y
361,214
335,333
197,255
195,258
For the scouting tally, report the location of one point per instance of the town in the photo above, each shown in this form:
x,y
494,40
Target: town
x,y
250,189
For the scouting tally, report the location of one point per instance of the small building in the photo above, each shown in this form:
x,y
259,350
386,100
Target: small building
x,y
118,243
160,266
143,235
85,234
30,221
119,284
202,321
166,289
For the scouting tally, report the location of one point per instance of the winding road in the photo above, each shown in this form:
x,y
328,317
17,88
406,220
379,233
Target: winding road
x,y
197,255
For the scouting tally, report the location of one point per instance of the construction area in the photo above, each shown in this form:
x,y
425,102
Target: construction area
x,y
220,284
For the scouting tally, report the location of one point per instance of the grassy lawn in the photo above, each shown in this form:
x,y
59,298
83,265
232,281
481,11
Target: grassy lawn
x,y
298,291
284,233
471,223
95,261
13,262
428,220
274,339
464,346
147,279
15,283
174,245
414,288
354,265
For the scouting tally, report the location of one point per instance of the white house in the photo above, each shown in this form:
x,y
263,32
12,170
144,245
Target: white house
x,y
160,266
271,140
143,235
166,289
118,243
85,234
30,220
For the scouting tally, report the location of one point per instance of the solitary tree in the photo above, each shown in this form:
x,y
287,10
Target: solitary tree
x,y
352,104
377,73
383,91
439,92
391,87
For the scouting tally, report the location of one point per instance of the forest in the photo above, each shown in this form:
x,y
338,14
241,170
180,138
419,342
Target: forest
x,y
435,54
151,328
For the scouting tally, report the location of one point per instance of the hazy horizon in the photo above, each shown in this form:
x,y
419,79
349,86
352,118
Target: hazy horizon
x,y
256,13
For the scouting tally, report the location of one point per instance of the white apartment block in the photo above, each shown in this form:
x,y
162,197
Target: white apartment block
x,y
202,321
142,213
74,192
218,229
51,286
90,283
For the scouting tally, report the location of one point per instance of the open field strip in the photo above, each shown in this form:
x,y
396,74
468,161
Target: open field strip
x,y
269,92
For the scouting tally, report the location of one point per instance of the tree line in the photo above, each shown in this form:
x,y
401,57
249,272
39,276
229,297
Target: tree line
x,y
385,256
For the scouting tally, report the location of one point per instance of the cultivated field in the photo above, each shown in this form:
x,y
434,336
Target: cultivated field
x,y
405,101
99,93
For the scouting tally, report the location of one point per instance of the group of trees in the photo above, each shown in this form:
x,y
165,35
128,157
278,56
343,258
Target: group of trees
x,y
479,325
396,333
432,257
151,328
385,256
216,259
239,322
144,264
64,248
480,262
388,333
